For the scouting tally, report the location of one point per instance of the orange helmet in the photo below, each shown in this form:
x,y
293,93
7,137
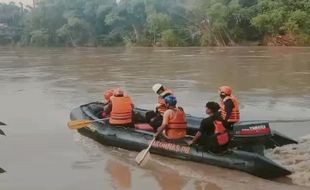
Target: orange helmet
x,y
225,89
108,94
118,92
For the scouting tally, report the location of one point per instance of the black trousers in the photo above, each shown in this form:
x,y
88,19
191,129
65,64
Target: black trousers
x,y
229,125
209,142
154,119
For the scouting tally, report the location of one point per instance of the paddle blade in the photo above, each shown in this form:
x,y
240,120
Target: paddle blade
x,y
1,132
1,123
143,157
77,124
2,170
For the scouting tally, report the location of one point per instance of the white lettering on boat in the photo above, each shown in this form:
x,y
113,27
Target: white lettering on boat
x,y
258,127
171,147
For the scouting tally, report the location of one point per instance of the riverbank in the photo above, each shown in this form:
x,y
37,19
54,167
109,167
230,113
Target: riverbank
x,y
271,42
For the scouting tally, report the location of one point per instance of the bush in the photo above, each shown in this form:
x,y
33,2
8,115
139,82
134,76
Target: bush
x,y
5,39
168,38
205,39
39,38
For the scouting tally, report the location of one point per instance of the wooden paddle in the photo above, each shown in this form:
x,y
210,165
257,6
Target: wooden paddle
x,y
77,124
144,155
1,132
2,170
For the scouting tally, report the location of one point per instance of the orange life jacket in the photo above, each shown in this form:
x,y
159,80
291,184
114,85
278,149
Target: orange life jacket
x,y
176,128
235,114
161,103
121,112
222,136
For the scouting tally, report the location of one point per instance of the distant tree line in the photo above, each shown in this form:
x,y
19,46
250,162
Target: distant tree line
x,y
154,22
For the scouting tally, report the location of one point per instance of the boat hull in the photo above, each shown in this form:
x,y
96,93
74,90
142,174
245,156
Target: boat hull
x,y
137,140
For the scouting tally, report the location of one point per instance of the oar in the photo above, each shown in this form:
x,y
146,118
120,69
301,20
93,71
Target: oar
x,y
77,124
144,155
1,123
1,132
2,170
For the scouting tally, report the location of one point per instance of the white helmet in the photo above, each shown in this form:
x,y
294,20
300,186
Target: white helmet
x,y
156,87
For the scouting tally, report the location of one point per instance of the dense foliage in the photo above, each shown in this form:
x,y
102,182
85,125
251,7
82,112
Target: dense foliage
x,y
153,22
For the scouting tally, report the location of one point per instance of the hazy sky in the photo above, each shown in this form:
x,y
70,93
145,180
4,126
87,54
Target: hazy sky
x,y
29,2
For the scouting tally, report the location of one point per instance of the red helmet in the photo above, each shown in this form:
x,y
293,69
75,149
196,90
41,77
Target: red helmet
x,y
118,92
108,94
225,89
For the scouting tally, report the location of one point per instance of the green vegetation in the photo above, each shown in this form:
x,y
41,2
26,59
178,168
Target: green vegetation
x,y
155,22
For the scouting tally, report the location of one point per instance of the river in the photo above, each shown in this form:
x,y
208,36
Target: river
x,y
39,87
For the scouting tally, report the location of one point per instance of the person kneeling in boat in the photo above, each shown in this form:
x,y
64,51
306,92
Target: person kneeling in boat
x,y
229,107
212,134
155,118
174,123
107,96
120,109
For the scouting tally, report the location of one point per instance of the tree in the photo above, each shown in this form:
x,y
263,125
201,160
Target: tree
x,y
39,38
284,17
168,38
11,23
150,22
76,32
157,23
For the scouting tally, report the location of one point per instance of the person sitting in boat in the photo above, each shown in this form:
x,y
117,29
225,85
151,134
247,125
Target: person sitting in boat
x,y
107,96
212,134
162,92
155,118
120,109
174,123
229,106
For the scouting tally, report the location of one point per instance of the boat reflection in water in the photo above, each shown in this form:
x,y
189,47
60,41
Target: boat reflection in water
x,y
120,174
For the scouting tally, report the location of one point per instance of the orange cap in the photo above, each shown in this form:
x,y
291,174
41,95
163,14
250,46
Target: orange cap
x,y
225,89
108,94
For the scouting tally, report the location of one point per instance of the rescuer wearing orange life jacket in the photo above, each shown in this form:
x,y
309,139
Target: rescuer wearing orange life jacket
x,y
174,120
155,118
107,96
212,134
229,106
120,109
162,92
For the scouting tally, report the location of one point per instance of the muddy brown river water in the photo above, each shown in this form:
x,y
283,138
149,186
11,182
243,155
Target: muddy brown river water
x,y
39,87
